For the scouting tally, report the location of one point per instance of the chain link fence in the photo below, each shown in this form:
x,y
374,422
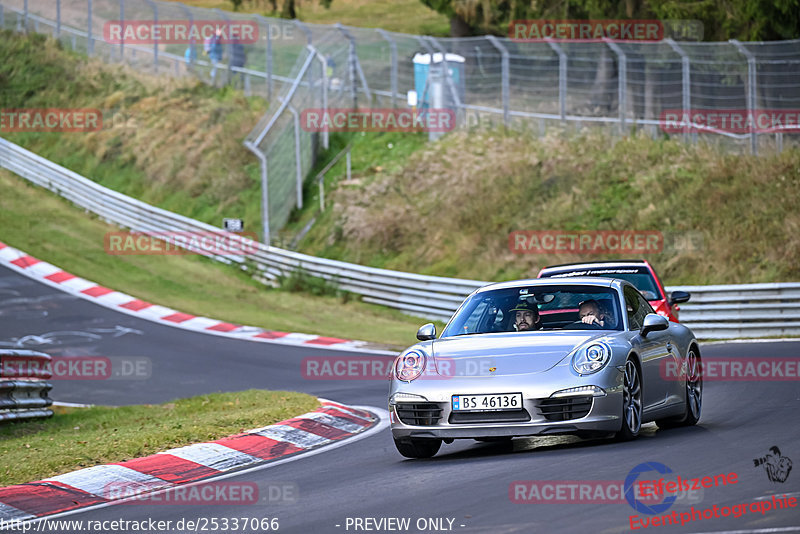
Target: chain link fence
x,y
619,86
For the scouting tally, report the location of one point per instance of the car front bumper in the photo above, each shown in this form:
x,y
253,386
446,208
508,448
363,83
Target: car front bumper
x,y
538,417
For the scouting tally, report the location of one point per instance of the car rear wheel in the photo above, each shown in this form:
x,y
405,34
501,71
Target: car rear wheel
x,y
694,394
417,447
631,402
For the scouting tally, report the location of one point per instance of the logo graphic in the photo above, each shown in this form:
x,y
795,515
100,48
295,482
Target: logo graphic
x,y
630,496
777,467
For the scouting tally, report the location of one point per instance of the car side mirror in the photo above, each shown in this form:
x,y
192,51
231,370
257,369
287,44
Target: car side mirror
x,y
653,323
426,332
679,297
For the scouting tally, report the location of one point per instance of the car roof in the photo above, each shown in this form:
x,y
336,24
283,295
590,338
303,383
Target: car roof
x,y
582,281
592,264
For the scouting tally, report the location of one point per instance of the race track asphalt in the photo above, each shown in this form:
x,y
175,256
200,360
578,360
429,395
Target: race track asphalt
x,y
467,482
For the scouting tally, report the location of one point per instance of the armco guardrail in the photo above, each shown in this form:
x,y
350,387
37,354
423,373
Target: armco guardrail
x,y
23,385
753,310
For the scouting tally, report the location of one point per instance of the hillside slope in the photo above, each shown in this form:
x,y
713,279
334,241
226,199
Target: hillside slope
x,y
449,210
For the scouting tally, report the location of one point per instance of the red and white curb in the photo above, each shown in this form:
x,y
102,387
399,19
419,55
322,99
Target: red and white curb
x,y
330,423
121,302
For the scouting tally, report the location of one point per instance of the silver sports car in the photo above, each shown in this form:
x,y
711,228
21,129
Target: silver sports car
x,y
584,356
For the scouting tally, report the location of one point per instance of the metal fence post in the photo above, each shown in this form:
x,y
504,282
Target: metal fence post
x,y
221,14
562,79
25,15
58,18
447,78
269,55
122,35
90,39
2,17
298,165
325,133
393,71
622,61
355,67
192,43
686,87
504,75
751,92
155,41
264,192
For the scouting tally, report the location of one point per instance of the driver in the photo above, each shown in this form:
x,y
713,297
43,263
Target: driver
x,y
590,312
527,317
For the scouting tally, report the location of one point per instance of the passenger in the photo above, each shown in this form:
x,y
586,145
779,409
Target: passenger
x,y
527,317
590,312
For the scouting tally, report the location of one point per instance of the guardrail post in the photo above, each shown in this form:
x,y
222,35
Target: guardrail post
x,y
262,158
58,18
393,71
25,15
504,76
298,164
562,79
686,87
751,92
89,38
622,61
155,41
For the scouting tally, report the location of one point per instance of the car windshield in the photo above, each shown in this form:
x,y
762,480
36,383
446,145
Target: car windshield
x,y
557,307
640,277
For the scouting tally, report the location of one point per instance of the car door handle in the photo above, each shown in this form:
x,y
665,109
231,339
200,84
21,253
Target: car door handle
x,y
669,347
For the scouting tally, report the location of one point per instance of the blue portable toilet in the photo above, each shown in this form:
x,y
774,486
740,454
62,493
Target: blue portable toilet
x,y
422,68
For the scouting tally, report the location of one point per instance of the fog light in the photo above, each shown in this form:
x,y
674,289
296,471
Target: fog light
x,y
594,391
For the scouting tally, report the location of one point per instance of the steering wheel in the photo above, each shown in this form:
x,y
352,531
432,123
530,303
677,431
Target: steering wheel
x,y
580,325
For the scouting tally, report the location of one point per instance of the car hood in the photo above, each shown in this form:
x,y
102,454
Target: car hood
x,y
507,353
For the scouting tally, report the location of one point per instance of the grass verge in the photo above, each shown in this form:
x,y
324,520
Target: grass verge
x,y
49,228
404,16
76,438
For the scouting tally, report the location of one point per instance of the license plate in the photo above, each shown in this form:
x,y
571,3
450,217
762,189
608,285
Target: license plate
x,y
487,403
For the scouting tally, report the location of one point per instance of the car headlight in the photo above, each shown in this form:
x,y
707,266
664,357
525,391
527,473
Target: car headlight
x,y
591,359
410,365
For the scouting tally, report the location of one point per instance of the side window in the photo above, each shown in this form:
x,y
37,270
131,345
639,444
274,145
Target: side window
x,y
471,324
632,305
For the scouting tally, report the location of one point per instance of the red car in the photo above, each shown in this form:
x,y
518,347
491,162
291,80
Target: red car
x,y
638,272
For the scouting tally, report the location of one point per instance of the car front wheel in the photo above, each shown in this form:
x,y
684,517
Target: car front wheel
x,y
631,402
417,447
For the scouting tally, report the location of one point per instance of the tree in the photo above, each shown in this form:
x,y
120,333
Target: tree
x,y
746,20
